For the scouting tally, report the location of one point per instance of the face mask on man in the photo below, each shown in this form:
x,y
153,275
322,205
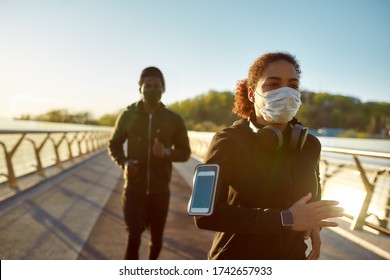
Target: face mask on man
x,y
152,96
280,105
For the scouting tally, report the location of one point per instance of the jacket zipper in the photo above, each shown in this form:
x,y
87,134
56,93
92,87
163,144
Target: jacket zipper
x,y
149,154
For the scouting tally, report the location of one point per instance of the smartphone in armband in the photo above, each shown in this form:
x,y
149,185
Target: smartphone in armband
x,y
203,192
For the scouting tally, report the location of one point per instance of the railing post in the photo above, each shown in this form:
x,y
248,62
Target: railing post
x,y
359,220
70,142
325,175
79,141
387,212
383,222
93,141
56,145
37,151
13,183
101,140
88,142
97,141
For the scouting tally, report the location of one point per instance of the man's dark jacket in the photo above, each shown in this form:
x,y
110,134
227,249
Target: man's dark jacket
x,y
254,185
140,129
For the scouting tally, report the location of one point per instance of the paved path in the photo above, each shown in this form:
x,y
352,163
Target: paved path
x,y
54,219
182,239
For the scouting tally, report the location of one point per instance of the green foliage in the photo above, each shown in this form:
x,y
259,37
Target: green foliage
x,y
338,111
213,111
207,112
351,133
62,115
107,119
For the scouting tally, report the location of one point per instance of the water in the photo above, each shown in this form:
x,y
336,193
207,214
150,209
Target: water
x,y
373,145
35,125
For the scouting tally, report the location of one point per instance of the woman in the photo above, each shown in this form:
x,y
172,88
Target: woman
x,y
268,194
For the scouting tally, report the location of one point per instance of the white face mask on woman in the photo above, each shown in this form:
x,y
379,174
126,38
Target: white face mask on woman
x,y
280,105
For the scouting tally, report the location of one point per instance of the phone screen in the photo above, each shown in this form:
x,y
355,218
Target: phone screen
x,y
205,179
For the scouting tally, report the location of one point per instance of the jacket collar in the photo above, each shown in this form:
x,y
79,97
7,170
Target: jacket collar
x,y
139,107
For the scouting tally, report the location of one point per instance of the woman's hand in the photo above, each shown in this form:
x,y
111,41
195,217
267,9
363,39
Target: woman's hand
x,y
312,215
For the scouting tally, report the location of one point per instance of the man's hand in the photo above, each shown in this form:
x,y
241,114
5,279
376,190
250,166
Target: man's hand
x,y
131,167
315,237
158,148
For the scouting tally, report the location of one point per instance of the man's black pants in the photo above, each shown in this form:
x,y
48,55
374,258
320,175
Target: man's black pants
x,y
144,211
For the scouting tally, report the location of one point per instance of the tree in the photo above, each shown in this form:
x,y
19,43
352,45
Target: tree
x,y
107,119
207,112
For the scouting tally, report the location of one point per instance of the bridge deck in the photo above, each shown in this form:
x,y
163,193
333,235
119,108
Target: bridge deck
x,y
78,215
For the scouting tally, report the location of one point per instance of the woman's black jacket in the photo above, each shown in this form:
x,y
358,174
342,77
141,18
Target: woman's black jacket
x,y
254,185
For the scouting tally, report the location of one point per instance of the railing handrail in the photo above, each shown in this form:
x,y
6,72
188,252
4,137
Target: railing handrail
x,y
384,155
356,152
17,131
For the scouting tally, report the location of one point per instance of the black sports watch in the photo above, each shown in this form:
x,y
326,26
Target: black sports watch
x,y
167,152
287,219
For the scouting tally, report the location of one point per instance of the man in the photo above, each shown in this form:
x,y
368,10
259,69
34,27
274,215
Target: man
x,y
155,138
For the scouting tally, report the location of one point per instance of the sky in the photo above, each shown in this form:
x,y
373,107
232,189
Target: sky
x,y
83,55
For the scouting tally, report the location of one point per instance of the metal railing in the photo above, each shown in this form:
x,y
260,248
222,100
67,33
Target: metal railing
x,y
54,147
331,167
20,145
374,178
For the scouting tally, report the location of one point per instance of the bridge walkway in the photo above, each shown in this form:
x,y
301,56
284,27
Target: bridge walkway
x,y
77,214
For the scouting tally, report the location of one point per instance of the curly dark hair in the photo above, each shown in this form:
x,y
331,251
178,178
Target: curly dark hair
x,y
243,107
